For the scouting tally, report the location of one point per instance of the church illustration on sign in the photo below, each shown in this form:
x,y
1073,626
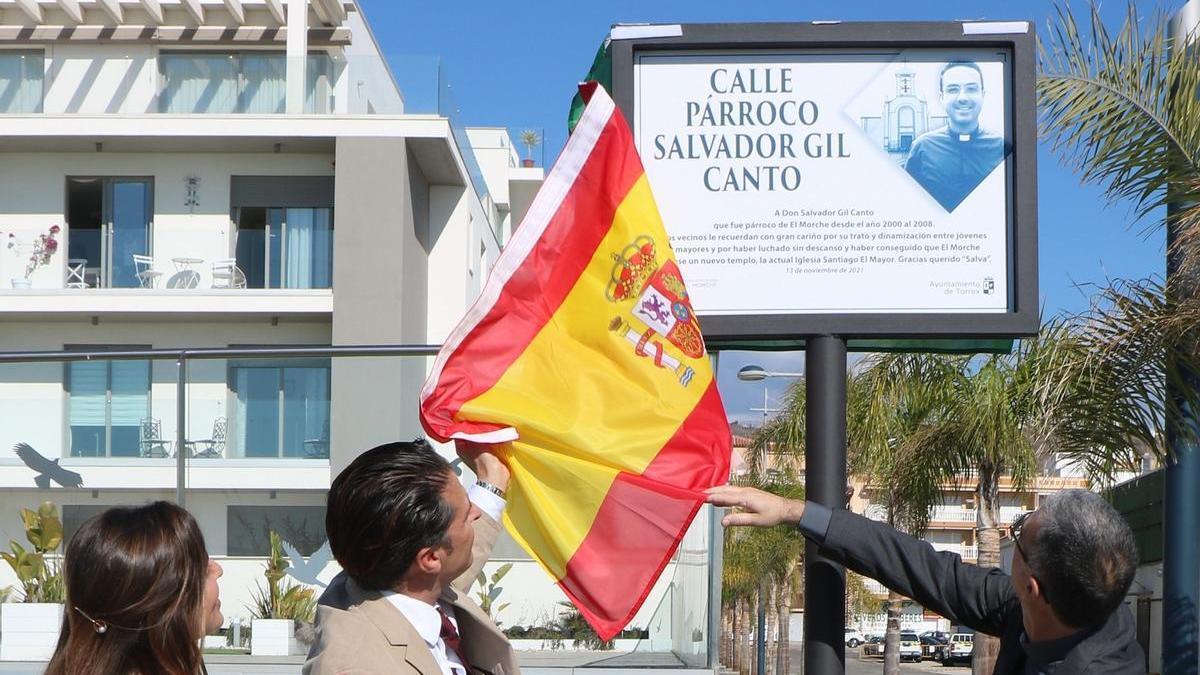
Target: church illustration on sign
x,y
904,117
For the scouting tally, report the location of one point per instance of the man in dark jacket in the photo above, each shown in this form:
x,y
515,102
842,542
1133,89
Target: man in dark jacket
x,y
1060,613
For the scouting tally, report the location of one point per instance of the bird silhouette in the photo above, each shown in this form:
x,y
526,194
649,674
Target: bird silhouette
x,y
306,572
46,469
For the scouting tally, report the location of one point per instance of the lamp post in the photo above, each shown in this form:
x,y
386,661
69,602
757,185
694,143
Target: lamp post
x,y
758,374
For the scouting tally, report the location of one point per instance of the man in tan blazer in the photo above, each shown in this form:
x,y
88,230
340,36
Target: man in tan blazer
x,y
411,540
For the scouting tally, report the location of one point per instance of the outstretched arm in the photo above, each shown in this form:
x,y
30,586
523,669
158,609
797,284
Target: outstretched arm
x,y
941,581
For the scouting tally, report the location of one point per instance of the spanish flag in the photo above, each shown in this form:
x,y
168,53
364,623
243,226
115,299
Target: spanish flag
x,y
583,351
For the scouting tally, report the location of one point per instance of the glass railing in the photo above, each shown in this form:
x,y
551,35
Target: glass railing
x,y
189,269
244,83
428,90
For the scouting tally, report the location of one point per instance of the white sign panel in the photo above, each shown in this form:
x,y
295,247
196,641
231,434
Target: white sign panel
x,y
832,182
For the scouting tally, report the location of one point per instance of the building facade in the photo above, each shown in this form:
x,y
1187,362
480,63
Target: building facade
x,y
212,174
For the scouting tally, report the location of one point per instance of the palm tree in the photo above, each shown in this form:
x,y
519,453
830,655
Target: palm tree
x,y
891,401
1122,110
530,138
759,565
773,461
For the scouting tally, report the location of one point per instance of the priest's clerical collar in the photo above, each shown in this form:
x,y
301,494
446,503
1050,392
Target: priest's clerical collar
x,y
964,137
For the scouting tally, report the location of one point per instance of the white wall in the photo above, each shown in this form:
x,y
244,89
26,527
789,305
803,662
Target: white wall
x,y
496,157
33,197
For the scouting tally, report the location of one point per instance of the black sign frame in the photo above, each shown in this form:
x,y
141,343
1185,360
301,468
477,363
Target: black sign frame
x,y
1016,38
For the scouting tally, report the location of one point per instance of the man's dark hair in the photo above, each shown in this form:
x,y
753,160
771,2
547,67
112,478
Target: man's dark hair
x,y
958,64
384,508
1083,554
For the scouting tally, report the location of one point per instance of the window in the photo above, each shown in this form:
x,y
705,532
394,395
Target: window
x,y
108,401
280,409
74,516
285,247
21,82
284,230
110,220
248,528
245,82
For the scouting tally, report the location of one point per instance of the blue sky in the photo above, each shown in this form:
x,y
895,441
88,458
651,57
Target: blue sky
x,y
516,64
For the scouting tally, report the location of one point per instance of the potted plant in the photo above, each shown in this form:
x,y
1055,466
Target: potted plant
x,y
530,139
280,608
29,629
43,248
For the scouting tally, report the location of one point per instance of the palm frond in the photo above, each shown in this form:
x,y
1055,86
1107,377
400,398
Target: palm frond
x,y
1122,110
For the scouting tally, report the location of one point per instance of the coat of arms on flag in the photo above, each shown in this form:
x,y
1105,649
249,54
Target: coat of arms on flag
x,y
654,296
583,351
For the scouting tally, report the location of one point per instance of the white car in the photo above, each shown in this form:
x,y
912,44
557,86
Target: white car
x,y
910,647
960,649
854,638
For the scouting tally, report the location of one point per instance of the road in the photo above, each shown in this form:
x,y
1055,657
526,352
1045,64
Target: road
x,y
857,666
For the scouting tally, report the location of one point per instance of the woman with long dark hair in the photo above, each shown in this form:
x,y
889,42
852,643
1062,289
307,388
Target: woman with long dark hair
x,y
141,593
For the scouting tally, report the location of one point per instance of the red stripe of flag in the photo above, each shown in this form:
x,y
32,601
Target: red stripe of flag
x,y
549,272
643,518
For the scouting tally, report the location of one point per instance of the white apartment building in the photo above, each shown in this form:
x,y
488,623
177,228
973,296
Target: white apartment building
x,y
225,173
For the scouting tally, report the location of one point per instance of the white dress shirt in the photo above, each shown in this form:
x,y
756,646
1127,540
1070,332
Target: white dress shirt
x,y
424,617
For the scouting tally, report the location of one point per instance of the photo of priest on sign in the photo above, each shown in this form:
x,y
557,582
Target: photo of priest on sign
x,y
950,161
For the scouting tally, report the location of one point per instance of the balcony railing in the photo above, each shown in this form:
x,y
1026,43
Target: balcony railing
x,y
84,415
952,514
965,552
250,83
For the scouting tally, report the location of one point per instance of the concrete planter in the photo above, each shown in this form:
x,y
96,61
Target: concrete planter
x,y
273,637
29,630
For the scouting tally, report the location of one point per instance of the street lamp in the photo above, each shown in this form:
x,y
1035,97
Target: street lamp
x,y
754,373
758,373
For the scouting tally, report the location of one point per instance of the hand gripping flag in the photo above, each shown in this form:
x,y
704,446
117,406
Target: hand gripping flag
x,y
584,352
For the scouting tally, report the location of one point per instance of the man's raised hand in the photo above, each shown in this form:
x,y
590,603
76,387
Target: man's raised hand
x,y
754,507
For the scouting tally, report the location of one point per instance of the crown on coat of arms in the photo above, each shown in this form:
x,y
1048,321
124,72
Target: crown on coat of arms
x,y
634,265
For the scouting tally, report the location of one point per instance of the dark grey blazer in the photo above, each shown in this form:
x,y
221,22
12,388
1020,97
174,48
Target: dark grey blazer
x,y
983,599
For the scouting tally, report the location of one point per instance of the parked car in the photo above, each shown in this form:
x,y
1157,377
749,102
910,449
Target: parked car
x,y
936,635
960,649
873,647
854,638
910,647
931,646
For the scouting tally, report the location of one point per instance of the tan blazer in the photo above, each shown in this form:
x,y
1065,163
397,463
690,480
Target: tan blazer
x,y
359,631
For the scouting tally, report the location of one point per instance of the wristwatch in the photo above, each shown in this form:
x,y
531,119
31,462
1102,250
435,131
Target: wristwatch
x,y
491,488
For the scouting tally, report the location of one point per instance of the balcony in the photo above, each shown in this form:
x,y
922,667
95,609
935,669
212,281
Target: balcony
x,y
967,553
113,423
952,515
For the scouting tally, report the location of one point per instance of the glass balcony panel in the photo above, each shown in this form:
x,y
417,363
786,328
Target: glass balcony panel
x,y
252,83
264,84
199,83
22,76
280,409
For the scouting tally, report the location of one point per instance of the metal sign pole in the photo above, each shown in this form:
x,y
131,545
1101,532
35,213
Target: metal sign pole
x,y
1181,500
825,484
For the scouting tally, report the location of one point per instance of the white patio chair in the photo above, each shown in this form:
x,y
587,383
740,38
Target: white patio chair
x,y
226,274
76,270
144,267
